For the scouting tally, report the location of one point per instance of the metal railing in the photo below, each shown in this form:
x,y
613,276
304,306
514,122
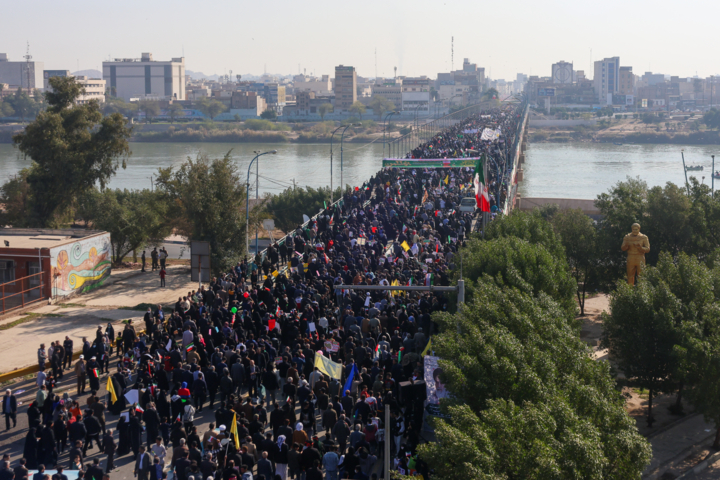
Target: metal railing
x,y
399,147
22,291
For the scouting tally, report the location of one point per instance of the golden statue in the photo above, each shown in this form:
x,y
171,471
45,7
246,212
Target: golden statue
x,y
637,245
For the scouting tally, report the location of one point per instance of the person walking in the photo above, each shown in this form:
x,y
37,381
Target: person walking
x,y
9,409
162,276
80,373
42,356
109,450
143,260
154,258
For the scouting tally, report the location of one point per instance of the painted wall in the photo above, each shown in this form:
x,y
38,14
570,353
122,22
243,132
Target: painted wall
x,y
80,266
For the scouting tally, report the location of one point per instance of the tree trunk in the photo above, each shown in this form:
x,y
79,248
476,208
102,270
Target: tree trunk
x,y
650,418
716,443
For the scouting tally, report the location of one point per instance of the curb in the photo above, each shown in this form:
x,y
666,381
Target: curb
x,y
700,466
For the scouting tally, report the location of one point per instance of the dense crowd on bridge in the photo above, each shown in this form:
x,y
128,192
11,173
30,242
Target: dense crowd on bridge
x,y
248,345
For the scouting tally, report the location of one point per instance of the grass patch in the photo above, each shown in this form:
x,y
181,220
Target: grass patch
x,y
26,318
140,307
71,305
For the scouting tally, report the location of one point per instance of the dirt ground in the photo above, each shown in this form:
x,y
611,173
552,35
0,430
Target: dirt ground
x,y
637,402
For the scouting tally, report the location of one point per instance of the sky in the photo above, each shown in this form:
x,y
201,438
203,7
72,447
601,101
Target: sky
x,y
507,37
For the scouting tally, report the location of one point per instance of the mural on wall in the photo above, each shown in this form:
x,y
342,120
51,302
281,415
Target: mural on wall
x,y
80,266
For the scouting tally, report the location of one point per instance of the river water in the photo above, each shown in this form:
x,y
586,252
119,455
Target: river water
x,y
572,170
307,164
584,170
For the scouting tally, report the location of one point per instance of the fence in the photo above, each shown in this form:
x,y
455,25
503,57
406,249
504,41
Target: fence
x,y
22,292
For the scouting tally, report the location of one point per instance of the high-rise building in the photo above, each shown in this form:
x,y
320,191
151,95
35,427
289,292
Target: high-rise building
x,y
26,75
562,72
626,81
607,79
416,94
345,87
132,78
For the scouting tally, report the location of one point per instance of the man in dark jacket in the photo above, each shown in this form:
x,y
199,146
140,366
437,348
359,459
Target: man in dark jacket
x,y
109,450
94,472
9,409
93,431
152,423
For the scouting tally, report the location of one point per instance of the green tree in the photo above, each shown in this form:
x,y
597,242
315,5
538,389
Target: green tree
x,y
211,108
357,108
269,114
15,198
118,105
490,94
21,104
72,148
151,109
207,199
175,110
532,227
133,218
288,207
711,118
579,237
515,262
527,401
380,105
324,109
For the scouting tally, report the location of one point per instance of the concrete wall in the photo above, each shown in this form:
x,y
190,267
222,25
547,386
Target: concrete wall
x,y
82,265
563,123
587,206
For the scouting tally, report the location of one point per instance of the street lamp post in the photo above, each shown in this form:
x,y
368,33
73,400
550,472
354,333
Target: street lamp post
x,y
247,200
387,116
342,136
331,163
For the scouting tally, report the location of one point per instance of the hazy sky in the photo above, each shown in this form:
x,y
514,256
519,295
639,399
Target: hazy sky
x,y
505,37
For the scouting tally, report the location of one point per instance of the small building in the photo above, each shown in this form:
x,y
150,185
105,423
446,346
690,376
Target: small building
x,y
41,264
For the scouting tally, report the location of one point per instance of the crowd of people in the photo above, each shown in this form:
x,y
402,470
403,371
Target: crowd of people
x,y
296,370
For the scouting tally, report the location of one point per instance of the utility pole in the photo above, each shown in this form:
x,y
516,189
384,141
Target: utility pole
x,y
27,58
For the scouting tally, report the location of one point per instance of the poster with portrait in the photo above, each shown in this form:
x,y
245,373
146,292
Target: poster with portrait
x,y
435,388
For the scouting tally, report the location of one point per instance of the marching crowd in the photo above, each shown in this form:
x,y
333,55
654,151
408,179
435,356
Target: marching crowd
x,y
296,371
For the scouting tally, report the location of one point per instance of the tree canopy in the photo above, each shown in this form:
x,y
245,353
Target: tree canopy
x,y
73,148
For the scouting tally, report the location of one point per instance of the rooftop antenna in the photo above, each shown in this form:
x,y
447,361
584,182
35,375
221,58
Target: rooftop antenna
x,y
27,58
452,54
395,72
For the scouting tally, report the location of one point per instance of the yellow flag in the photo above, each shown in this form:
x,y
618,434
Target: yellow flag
x,y
111,390
328,367
405,245
275,273
234,432
447,179
395,293
427,348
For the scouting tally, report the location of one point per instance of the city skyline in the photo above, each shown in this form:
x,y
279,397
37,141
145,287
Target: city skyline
x,y
521,39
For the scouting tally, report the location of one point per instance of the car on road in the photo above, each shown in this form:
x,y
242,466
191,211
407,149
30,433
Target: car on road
x,y
468,205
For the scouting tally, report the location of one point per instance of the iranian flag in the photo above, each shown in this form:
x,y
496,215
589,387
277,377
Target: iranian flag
x,y
481,191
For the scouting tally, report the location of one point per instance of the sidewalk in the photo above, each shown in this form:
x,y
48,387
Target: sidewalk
x,y
679,447
81,315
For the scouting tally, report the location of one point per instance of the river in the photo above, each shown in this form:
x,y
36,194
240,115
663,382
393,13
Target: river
x,y
568,170
307,164
584,170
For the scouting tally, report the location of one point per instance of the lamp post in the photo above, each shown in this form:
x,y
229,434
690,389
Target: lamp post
x,y
712,176
342,136
247,200
331,163
387,116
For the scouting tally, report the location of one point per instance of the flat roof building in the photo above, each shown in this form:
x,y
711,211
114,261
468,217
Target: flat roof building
x,y
132,78
21,74
345,87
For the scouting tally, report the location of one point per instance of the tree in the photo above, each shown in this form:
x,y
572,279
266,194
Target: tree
x,y
269,114
711,119
532,227
529,267
15,196
324,109
380,105
357,108
288,207
579,237
211,108
118,105
151,109
132,217
491,94
527,401
21,104
207,199
175,110
72,148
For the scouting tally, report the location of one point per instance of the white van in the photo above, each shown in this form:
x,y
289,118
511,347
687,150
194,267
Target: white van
x,y
468,205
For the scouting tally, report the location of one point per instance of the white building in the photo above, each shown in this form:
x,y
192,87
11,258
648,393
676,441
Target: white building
x,y
21,74
131,78
94,87
562,72
416,94
607,79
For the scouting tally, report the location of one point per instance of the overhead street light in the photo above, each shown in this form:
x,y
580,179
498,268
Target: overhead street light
x,y
247,201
